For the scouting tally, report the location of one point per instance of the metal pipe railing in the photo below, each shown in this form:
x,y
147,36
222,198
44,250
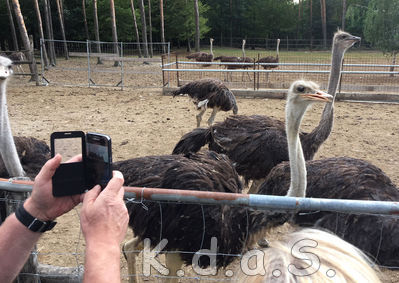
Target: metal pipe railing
x,y
265,202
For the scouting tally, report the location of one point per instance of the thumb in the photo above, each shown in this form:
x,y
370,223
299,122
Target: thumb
x,y
91,195
49,167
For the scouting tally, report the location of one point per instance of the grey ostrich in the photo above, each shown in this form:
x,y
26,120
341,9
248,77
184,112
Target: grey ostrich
x,y
258,143
189,227
346,178
19,156
210,93
203,56
8,150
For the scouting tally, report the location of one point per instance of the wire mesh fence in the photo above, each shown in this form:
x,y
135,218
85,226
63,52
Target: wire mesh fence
x,y
109,64
214,231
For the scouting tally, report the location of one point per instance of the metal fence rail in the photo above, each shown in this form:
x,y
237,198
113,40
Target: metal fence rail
x,y
266,202
362,71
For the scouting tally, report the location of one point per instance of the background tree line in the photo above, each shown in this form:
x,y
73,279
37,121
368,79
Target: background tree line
x,y
376,21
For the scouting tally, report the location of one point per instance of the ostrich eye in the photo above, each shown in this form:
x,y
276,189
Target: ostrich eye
x,y
300,88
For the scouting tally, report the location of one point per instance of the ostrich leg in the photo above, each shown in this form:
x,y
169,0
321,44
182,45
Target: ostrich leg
x,y
213,115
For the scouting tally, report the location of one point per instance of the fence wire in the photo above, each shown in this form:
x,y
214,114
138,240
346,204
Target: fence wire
x,y
109,64
199,219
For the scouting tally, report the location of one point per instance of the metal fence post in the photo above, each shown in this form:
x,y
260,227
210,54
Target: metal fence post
x,y
122,69
88,61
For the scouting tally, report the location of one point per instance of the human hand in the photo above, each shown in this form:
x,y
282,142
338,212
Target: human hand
x,y
42,204
104,215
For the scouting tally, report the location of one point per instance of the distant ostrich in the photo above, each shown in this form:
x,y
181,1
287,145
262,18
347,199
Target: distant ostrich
x,y
209,93
189,227
270,59
203,56
245,59
229,59
20,156
258,143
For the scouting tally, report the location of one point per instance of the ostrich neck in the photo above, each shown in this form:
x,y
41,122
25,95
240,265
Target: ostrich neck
x,y
319,134
8,150
278,46
296,158
243,50
211,48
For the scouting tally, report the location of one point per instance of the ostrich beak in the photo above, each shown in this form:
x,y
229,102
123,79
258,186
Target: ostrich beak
x,y
355,39
318,96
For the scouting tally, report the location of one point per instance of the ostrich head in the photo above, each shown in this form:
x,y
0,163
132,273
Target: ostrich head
x,y
300,96
344,40
5,68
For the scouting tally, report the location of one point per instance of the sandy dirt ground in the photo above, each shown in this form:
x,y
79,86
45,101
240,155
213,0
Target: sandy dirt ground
x,y
141,121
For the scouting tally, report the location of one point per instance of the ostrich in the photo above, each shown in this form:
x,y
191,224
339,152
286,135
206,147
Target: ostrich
x,y
347,178
258,143
8,150
270,59
15,57
245,59
203,56
209,93
189,227
19,156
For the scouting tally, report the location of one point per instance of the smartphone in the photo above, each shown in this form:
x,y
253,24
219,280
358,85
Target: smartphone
x,y
98,160
69,178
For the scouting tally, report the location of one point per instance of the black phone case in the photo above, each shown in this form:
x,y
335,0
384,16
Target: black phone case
x,y
69,178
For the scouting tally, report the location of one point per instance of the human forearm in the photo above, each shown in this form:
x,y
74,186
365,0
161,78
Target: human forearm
x,y
16,243
102,262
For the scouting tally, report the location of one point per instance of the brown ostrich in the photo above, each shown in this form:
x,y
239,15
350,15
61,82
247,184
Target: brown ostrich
x,y
269,60
203,56
210,93
258,143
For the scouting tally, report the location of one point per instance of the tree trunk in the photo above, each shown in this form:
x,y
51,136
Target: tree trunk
x,y
150,25
144,28
96,31
162,27
12,26
231,23
40,24
61,18
51,30
85,19
391,69
114,34
48,31
25,39
343,14
323,22
311,23
136,28
197,27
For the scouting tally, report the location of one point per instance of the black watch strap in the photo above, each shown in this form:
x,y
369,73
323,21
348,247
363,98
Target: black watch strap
x,y
31,222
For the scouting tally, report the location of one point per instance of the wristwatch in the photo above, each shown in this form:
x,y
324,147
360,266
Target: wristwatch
x,y
32,223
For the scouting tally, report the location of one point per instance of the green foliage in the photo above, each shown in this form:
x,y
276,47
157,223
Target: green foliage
x,y
180,20
382,25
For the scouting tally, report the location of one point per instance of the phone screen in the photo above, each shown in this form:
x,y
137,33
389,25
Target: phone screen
x,y
98,159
